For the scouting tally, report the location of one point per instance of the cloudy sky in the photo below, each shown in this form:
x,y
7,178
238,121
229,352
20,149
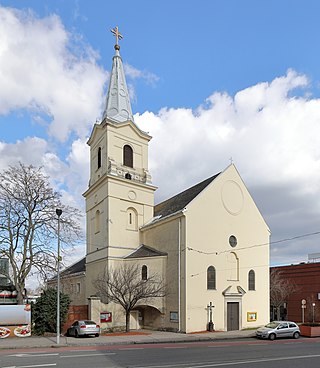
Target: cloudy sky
x,y
210,80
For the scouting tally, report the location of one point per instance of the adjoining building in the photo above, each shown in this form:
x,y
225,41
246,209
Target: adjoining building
x,y
210,242
8,293
303,303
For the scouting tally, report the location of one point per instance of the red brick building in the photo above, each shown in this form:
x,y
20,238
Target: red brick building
x,y
306,278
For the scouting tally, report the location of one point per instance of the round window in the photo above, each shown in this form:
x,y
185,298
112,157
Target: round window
x,y
233,241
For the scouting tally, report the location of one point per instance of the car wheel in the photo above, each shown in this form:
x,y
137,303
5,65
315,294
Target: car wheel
x,y
76,333
96,335
296,335
272,337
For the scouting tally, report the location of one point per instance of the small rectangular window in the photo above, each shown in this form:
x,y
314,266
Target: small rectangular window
x,y
174,317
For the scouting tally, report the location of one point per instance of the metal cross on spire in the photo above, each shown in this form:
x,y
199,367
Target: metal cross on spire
x,y
118,36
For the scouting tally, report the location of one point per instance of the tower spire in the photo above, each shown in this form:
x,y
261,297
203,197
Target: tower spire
x,y
118,106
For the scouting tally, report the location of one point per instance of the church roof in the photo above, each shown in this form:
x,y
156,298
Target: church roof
x,y
118,106
145,251
180,201
76,268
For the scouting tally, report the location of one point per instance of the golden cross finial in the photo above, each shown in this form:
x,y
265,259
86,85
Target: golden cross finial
x,y
117,34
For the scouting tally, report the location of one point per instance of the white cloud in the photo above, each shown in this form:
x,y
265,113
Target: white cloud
x,y
270,129
45,70
134,73
272,136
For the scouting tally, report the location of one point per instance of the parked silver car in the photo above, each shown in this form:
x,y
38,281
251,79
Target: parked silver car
x,y
277,329
83,328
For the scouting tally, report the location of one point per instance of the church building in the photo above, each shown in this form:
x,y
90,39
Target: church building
x,y
209,243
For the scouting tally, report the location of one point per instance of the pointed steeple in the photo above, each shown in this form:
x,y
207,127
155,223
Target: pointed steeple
x,y
118,107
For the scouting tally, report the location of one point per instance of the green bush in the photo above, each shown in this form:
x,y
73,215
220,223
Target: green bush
x,y
44,311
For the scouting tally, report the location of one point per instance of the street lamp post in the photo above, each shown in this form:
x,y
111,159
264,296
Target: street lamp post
x,y
59,213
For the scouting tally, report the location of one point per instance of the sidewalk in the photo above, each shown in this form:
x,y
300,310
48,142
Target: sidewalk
x,y
133,337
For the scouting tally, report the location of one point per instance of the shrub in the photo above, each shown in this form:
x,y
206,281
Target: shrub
x,y
44,311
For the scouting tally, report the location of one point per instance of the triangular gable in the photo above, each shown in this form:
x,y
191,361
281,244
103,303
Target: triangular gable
x,y
145,251
181,200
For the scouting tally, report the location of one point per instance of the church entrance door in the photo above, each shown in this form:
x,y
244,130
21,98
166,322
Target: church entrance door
x,y
232,316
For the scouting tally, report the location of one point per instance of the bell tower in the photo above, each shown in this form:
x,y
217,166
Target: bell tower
x,y
120,196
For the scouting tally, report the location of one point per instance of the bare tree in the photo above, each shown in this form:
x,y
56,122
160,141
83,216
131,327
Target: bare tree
x,y
280,290
124,285
28,223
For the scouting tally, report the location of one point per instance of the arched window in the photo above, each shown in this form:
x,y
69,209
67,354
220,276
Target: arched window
x,y
99,157
211,278
252,280
97,222
132,219
144,273
127,156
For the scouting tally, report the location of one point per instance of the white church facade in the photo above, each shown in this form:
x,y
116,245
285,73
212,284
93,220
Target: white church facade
x,y
209,243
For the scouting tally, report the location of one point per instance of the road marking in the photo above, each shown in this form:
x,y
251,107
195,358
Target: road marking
x,y
32,366
223,364
131,348
252,361
30,355
85,355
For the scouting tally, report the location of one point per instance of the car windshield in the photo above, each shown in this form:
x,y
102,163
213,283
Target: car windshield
x,y
89,322
272,325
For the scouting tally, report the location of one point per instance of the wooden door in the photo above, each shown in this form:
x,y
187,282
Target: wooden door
x,y
232,316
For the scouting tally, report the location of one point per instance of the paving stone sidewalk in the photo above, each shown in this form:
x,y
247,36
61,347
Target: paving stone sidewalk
x,y
134,337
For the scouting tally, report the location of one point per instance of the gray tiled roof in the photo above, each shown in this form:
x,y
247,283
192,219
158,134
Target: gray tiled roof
x,y
77,267
180,201
145,251
80,266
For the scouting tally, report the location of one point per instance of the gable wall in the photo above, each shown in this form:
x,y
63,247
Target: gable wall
x,y
223,209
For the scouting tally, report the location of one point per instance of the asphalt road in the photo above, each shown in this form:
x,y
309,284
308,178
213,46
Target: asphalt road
x,y
251,353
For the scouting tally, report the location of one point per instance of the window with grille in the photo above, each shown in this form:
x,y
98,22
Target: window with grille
x,y
144,272
127,156
211,278
252,280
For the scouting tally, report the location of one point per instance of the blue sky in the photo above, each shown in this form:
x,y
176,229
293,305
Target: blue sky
x,y
209,79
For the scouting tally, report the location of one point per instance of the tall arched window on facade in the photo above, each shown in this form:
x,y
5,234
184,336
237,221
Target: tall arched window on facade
x,y
144,273
99,157
127,156
211,278
252,280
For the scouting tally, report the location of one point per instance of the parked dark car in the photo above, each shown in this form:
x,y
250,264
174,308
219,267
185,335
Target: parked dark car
x,y
277,329
83,328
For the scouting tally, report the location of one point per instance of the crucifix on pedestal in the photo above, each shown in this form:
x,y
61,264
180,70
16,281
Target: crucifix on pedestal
x,y
210,307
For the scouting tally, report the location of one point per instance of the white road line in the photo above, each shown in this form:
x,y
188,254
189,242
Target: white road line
x,y
224,364
32,366
131,349
30,355
85,355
